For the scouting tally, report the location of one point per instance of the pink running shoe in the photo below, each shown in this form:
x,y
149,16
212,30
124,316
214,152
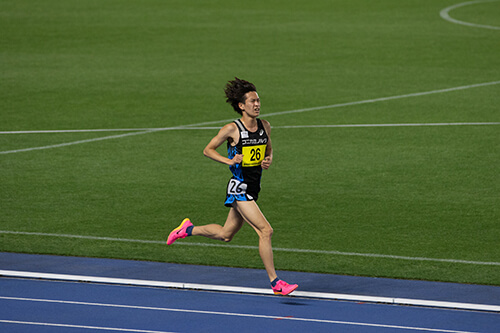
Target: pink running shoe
x,y
283,288
179,232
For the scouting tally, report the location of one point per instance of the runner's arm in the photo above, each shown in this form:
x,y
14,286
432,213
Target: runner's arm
x,y
268,159
227,132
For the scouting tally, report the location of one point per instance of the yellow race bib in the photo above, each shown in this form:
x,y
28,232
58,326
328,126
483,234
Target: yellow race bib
x,y
253,155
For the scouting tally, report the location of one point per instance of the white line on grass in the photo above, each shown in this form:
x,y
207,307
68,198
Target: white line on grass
x,y
152,129
445,15
118,136
389,125
233,314
382,99
78,131
250,247
218,127
71,143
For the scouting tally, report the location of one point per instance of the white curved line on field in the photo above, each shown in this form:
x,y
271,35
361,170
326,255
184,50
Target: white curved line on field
x,y
445,15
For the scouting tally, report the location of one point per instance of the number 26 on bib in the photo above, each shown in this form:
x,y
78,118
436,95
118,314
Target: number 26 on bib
x,y
253,155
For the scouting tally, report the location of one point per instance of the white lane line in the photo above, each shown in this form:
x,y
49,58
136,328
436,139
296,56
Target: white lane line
x,y
234,314
266,115
284,126
250,247
99,328
249,290
445,15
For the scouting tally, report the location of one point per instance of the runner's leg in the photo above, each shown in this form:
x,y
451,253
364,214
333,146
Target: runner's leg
x,y
225,233
252,214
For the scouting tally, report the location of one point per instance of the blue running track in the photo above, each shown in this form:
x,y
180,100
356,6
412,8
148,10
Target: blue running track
x,y
57,301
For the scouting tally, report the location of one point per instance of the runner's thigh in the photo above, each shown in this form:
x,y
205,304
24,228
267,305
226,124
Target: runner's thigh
x,y
252,214
234,222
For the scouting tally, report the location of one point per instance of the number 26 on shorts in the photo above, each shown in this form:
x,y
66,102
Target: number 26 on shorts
x,y
236,187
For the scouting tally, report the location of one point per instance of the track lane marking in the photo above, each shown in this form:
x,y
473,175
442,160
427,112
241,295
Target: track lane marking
x,y
249,290
99,328
234,314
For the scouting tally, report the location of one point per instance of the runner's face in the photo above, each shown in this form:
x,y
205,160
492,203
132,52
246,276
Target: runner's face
x,y
252,104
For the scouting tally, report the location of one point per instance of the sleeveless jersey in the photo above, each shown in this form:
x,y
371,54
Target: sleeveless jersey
x,y
245,183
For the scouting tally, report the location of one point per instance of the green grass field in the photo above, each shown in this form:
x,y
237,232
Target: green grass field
x,y
333,194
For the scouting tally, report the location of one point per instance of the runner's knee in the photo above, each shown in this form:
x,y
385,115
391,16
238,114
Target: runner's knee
x,y
266,232
226,239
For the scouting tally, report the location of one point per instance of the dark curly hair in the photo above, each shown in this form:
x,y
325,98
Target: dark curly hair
x,y
235,92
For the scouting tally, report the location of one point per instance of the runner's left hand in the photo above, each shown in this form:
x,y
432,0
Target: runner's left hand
x,y
266,163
